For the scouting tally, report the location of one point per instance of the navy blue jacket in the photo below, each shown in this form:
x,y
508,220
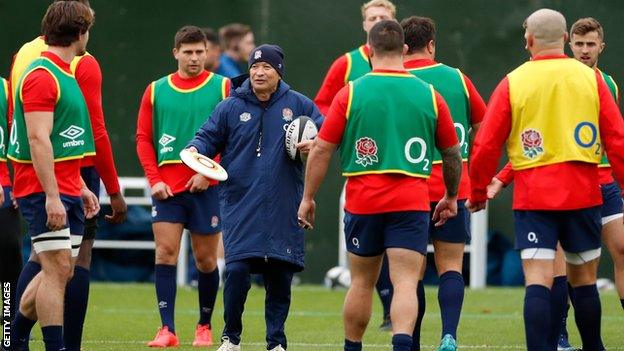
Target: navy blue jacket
x,y
260,199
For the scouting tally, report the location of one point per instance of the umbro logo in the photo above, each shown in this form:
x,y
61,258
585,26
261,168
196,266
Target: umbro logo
x,y
72,132
165,140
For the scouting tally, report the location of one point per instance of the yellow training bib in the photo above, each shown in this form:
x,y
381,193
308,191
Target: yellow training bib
x,y
554,114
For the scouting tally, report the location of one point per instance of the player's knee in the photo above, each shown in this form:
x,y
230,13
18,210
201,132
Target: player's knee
x,y
166,254
236,270
84,258
61,271
206,264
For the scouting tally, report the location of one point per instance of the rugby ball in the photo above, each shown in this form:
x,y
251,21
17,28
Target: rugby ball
x,y
337,278
300,129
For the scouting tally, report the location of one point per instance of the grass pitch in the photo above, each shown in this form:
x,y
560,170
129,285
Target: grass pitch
x,y
124,317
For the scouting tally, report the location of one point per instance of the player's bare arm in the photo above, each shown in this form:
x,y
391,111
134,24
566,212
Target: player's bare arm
x,y
39,127
316,169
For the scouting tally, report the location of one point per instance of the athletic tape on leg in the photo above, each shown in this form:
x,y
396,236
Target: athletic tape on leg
x,y
50,241
582,257
537,254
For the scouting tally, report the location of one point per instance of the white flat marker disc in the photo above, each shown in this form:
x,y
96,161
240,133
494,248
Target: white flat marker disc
x,y
203,165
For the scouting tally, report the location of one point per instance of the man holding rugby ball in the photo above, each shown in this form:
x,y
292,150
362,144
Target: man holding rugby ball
x,y
261,196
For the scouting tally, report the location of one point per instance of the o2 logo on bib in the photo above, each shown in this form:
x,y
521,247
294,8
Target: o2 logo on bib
x,y
586,135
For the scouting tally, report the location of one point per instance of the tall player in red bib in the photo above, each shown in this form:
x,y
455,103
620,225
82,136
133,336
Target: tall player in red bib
x,y
172,109
467,109
387,161
552,147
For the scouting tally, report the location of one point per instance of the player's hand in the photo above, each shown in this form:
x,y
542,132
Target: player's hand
x,y
161,191
305,215
192,149
2,199
197,183
475,206
305,146
119,207
445,210
57,216
494,188
90,202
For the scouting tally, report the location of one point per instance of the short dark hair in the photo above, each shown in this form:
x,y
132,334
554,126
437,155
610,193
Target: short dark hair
x,y
211,36
386,38
419,31
65,21
188,35
232,33
586,25
86,2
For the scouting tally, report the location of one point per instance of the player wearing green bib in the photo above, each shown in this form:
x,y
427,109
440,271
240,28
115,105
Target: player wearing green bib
x,y
172,109
467,109
387,124
50,135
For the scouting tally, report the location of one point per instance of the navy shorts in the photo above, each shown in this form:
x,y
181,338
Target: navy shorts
x,y
577,230
199,212
372,234
92,180
456,229
32,208
611,202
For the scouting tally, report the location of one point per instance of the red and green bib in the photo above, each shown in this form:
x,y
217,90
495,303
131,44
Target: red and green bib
x,y
357,64
178,113
4,106
613,88
72,136
391,124
449,82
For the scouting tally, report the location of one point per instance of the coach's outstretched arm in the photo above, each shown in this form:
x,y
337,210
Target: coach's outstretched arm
x,y
211,138
316,169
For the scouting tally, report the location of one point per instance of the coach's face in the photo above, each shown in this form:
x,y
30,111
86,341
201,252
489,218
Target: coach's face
x,y
586,48
191,58
264,78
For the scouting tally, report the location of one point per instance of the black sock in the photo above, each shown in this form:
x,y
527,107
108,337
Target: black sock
x,y
536,317
587,313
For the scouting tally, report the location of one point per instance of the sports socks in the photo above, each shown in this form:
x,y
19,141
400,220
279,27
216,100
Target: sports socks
x,y
20,331
30,270
53,337
207,286
536,317
451,298
384,287
422,306
165,279
558,309
401,342
587,313
76,301
352,345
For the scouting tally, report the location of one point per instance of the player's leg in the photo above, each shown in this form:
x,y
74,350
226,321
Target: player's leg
x,y
235,289
277,283
448,242
405,239
77,290
365,246
613,232
536,239
10,249
384,290
203,220
582,246
559,305
422,306
205,251
168,217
